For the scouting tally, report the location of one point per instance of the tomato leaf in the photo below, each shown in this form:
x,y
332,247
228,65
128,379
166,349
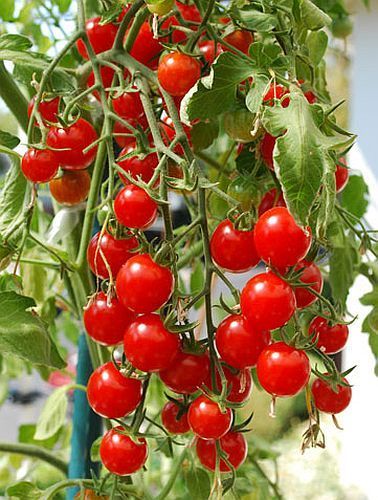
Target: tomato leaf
x,y
26,434
8,140
15,42
254,19
204,134
355,196
313,17
317,42
198,483
53,414
256,92
7,9
24,490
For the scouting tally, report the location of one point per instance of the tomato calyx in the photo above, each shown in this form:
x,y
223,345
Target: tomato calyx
x,y
333,378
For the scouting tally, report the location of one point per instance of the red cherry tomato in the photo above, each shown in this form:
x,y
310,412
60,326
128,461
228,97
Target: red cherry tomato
x,y
210,50
128,106
186,373
101,36
112,395
71,188
106,319
341,176
39,165
178,72
267,301
311,276
270,200
124,136
107,75
121,454
207,420
148,345
266,150
282,370
134,208
169,133
72,141
109,251
328,400
239,384
142,166
189,12
310,96
48,109
233,444
175,35
279,241
233,250
240,39
277,91
146,48
331,339
170,421
239,343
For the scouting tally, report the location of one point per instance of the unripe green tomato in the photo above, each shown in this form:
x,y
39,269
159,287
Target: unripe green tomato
x,y
102,214
160,7
342,27
245,191
239,125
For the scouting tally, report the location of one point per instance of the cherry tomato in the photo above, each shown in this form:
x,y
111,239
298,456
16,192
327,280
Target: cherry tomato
x,y
48,109
267,301
240,39
271,199
39,165
72,141
310,96
267,145
239,384
178,72
239,125
279,241
239,343
207,420
146,48
142,166
107,75
134,208
71,188
160,7
169,133
233,444
124,136
210,50
110,394
101,36
186,373
282,370
175,35
109,251
342,26
277,91
121,454
148,345
245,191
170,421
128,106
331,338
311,275
106,319
328,400
189,12
341,176
233,250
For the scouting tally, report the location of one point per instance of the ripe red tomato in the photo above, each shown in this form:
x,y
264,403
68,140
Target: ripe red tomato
x,y
169,133
124,136
233,250
331,338
115,252
175,35
189,12
267,301
328,400
148,345
71,188
270,200
107,75
128,106
178,72
170,421
239,343
142,166
39,165
73,140
146,48
134,208
101,36
341,176
110,394
283,370
233,444
106,319
121,454
207,420
310,96
277,91
48,109
240,39
266,149
239,384
143,285
186,373
210,50
312,276
279,241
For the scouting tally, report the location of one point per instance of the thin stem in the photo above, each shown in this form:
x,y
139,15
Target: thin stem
x,y
266,477
177,467
34,451
118,42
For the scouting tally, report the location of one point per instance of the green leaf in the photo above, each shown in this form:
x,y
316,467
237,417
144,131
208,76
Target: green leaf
x,y
256,93
95,449
63,5
8,140
53,415
370,299
7,9
254,19
204,134
24,334
313,17
198,483
24,491
317,43
26,435
15,42
342,262
355,196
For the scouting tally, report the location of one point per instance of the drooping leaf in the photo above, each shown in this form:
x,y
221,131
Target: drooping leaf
x,y
254,19
355,196
256,92
198,483
8,140
26,434
313,17
53,415
15,42
317,42
204,134
25,491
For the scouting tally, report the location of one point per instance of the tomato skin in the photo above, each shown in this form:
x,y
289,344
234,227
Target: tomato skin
x,y
169,419
160,8
277,91
176,36
210,50
148,345
106,321
233,250
122,455
107,75
39,165
245,191
101,37
177,73
239,384
143,285
233,444
267,145
129,139
283,370
146,48
327,400
270,200
331,339
311,275
75,138
116,253
110,394
71,188
267,301
206,419
240,39
48,110
128,106
341,176
239,343
189,12
342,26
186,373
134,208
279,241
142,166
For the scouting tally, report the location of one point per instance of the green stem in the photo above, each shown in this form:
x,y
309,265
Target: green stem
x,y
31,450
265,476
13,97
167,488
118,42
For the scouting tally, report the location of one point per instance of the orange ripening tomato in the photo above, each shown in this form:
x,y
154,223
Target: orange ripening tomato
x,y
71,188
